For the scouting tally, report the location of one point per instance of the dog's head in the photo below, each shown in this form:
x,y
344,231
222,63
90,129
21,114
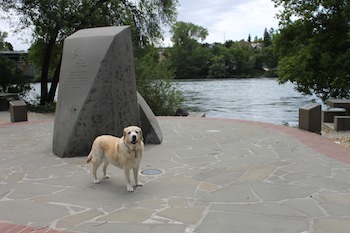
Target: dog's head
x,y
132,135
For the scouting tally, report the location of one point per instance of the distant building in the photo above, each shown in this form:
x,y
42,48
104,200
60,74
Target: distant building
x,y
21,59
256,45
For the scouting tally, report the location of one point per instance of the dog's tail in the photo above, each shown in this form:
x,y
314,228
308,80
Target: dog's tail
x,y
89,158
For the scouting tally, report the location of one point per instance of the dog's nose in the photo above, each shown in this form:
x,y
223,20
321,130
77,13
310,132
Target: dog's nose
x,y
133,138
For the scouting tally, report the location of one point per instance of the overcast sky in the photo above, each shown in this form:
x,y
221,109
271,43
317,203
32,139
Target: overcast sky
x,y
224,20
229,19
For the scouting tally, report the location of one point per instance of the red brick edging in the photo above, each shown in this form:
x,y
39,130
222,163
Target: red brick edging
x,y
14,228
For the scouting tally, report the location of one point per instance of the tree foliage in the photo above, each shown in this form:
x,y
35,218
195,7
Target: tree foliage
x,y
55,20
192,60
313,46
187,56
267,40
154,83
4,46
11,77
218,68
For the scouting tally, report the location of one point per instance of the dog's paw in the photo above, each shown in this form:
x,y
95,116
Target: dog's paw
x,y
106,177
129,188
96,181
139,184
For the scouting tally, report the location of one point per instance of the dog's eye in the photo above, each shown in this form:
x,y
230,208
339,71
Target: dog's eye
x,y
129,132
136,132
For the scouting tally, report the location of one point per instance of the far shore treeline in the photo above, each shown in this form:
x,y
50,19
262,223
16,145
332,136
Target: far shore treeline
x,y
311,46
191,59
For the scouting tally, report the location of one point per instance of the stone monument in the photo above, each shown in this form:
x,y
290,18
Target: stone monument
x,y
97,92
149,124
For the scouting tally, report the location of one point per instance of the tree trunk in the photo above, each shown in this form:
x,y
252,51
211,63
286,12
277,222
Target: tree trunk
x,y
49,97
45,70
55,80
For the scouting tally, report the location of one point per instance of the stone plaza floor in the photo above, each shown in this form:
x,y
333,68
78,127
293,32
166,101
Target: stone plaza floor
x,y
216,175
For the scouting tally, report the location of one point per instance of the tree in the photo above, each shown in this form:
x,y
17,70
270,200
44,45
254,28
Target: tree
x,y
269,52
154,82
4,46
269,57
256,39
218,68
11,77
242,56
313,46
185,33
55,20
267,38
188,57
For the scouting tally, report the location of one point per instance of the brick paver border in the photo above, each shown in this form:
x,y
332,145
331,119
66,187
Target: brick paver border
x,y
14,228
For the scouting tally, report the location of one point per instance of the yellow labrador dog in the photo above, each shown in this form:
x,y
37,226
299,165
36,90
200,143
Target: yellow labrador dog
x,y
125,153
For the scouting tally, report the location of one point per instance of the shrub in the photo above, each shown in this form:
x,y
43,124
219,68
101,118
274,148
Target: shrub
x,y
12,78
154,83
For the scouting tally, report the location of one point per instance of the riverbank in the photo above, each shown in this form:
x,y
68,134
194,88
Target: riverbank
x,y
339,137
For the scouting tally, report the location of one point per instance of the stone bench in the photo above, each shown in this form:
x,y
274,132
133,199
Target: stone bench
x,y
341,123
5,98
328,115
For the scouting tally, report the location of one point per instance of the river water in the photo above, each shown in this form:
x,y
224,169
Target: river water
x,y
257,99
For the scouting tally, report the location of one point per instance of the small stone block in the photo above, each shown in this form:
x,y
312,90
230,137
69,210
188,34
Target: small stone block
x,y
18,110
341,123
328,115
310,118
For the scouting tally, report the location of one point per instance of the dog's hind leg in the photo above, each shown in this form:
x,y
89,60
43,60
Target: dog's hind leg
x,y
95,166
105,176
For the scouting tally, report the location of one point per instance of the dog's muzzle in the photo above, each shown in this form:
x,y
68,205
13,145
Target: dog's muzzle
x,y
133,139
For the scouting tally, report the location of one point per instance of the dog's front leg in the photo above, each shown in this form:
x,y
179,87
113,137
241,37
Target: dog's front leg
x,y
129,187
105,176
136,177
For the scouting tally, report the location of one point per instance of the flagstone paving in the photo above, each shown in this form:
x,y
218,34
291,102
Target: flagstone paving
x,y
215,176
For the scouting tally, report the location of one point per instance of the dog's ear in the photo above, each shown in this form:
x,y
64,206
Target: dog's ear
x,y
124,133
141,134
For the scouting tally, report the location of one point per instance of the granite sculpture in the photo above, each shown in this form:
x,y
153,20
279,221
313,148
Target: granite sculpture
x,y
97,92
